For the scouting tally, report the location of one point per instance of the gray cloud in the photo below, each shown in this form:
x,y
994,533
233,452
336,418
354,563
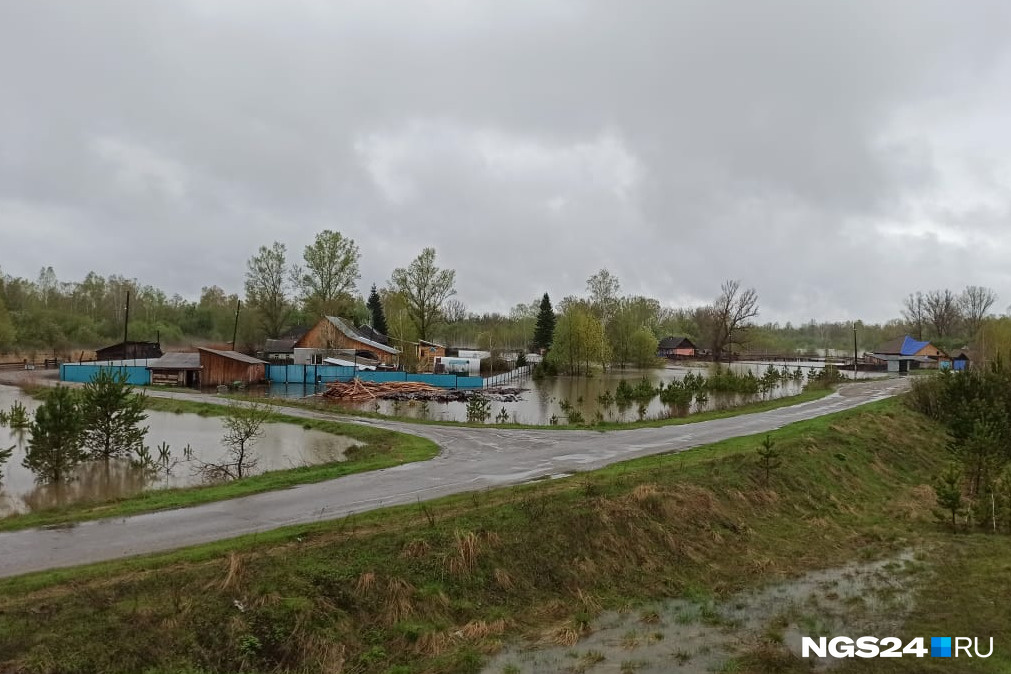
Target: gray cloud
x,y
835,155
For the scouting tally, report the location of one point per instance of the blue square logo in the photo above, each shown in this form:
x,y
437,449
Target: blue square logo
x,y
940,647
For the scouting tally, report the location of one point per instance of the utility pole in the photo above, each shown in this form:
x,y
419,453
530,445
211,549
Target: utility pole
x,y
126,322
854,350
235,328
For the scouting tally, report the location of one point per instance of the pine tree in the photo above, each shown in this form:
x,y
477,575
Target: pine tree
x,y
56,445
375,305
544,333
768,457
112,416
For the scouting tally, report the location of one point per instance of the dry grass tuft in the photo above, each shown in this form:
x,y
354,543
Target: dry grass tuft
x,y
416,549
434,644
565,635
589,602
399,604
503,579
479,629
463,559
234,575
365,584
324,656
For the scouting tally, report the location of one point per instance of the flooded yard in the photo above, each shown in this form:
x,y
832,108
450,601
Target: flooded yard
x,y
701,634
191,439
554,399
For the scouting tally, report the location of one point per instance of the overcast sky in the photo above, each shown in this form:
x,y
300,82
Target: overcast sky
x,y
834,155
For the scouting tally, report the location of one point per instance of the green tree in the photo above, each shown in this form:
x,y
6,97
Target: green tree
x,y
578,340
949,495
642,348
57,435
545,329
375,305
331,271
425,288
112,415
603,288
5,455
8,335
769,458
267,288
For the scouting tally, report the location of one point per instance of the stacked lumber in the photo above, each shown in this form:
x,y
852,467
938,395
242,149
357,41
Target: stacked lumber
x,y
357,391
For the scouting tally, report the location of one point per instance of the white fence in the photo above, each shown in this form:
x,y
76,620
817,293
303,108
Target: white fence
x,y
506,377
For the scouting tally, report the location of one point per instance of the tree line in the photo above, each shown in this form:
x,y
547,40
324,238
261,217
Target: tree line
x,y
419,301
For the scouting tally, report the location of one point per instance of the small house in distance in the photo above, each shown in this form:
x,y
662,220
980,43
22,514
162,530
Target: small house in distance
x,y
675,347
227,367
176,369
129,351
961,360
903,354
331,335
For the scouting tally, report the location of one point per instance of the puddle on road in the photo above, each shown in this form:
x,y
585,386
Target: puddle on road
x,y
704,635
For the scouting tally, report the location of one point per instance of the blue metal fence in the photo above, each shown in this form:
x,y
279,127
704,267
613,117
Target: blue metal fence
x,y
138,375
312,374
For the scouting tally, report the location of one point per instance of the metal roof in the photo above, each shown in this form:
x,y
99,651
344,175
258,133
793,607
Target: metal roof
x,y
351,333
176,361
279,345
234,355
675,343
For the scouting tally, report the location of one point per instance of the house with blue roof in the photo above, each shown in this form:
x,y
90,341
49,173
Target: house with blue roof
x,y
905,353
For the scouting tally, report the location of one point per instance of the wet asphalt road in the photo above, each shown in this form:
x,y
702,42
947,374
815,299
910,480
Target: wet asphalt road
x,y
471,459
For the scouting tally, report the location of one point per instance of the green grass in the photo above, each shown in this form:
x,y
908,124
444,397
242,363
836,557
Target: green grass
x,y
807,395
434,587
381,449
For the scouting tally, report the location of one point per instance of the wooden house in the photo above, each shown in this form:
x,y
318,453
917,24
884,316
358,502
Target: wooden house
x,y
332,334
676,347
176,369
904,353
227,367
427,353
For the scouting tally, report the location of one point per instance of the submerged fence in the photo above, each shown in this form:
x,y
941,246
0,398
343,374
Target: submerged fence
x,y
307,375
506,377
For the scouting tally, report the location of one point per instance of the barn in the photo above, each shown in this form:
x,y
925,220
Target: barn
x,y
228,367
176,369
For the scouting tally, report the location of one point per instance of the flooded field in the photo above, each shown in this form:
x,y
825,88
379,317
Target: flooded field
x,y
705,635
593,398
192,439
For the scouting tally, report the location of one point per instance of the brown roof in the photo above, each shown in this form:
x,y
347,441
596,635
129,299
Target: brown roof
x,y
233,355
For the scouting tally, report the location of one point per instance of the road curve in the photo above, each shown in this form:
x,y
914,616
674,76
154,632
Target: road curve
x,y
471,459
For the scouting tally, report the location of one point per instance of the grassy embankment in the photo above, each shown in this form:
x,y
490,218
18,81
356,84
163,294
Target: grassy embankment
x,y
380,449
436,587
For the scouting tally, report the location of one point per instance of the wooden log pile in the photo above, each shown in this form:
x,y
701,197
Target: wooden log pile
x,y
357,391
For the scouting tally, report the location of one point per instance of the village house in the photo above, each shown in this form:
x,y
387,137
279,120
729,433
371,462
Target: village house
x,y
902,354
676,347
219,368
335,336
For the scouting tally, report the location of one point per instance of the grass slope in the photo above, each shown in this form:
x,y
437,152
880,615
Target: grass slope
x,y
380,449
437,587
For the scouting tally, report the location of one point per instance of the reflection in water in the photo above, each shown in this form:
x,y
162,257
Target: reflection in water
x,y
557,397
282,446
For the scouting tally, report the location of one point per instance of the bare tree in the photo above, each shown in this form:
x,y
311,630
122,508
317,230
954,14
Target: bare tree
x,y
914,310
942,311
728,318
243,427
603,288
975,302
267,288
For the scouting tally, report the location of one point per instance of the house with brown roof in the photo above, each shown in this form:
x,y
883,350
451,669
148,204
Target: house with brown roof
x,y
333,336
675,347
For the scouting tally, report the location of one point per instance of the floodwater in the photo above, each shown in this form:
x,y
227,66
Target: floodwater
x,y
555,397
192,440
706,635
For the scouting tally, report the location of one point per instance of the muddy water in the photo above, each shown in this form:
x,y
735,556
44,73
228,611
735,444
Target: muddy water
x,y
547,397
703,635
281,446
